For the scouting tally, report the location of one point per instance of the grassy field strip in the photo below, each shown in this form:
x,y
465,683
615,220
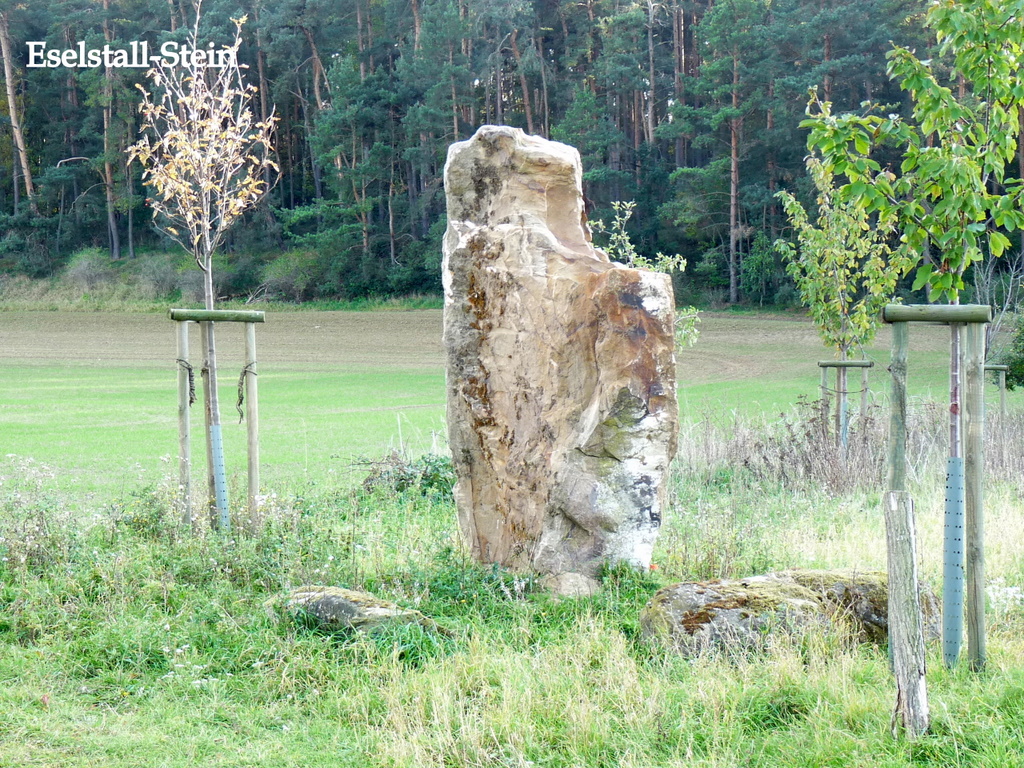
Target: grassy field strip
x,y
95,394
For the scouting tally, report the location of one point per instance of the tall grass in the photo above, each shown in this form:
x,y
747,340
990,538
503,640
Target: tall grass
x,y
125,641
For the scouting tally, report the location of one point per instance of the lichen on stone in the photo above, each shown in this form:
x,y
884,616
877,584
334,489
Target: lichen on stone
x,y
729,614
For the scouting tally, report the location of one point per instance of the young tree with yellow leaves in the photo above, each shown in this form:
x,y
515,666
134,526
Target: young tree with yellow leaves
x,y
205,156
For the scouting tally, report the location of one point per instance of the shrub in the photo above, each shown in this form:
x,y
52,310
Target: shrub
x,y
90,269
430,474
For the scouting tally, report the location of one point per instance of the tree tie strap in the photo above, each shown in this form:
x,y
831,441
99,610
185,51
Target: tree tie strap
x,y
191,380
249,368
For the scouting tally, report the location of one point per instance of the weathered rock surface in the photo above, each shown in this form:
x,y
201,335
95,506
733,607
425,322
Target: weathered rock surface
x,y
743,614
571,585
338,608
562,411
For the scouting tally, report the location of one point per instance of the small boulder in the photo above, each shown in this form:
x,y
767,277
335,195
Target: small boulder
x,y
571,585
337,608
743,613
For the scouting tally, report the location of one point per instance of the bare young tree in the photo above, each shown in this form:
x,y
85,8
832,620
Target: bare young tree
x,y
206,158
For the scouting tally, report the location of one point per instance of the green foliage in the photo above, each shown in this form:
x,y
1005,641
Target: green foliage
x,y
842,264
951,192
430,474
1013,357
760,272
620,246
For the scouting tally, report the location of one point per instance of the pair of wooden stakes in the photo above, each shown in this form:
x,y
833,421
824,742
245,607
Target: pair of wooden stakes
x,y
963,551
186,392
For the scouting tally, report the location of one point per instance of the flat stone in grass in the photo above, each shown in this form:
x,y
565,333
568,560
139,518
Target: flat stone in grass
x,y
337,608
743,614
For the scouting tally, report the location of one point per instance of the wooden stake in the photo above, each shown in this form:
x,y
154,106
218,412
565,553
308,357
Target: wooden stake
x,y
863,393
1002,401
898,422
974,468
211,491
184,427
824,399
252,419
906,626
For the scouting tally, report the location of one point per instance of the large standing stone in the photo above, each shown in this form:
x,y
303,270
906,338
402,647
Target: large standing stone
x,y
562,409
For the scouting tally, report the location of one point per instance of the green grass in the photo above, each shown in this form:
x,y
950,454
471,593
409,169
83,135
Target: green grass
x,y
95,393
126,643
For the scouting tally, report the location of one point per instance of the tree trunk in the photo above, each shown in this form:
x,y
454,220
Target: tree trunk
x,y
12,106
773,209
108,165
544,91
417,25
319,74
651,93
499,98
677,73
455,97
360,43
261,69
314,166
522,81
130,192
735,125
828,75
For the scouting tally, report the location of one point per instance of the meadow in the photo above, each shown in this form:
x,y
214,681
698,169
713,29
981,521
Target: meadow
x,y
125,641
95,392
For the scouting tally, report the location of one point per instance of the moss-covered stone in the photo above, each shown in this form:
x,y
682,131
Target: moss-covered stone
x,y
337,608
743,613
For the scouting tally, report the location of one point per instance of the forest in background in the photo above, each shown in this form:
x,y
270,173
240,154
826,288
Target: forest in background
x,y
688,107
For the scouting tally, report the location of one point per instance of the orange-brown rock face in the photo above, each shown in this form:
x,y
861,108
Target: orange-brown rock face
x,y
562,413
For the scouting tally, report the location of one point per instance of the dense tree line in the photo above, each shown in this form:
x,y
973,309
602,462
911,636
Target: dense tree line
x,y
689,107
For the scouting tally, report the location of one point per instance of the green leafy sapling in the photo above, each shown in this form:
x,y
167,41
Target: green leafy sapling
x,y
842,263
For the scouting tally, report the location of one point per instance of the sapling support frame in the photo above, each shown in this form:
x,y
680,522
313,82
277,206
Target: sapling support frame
x,y
842,407
222,519
964,524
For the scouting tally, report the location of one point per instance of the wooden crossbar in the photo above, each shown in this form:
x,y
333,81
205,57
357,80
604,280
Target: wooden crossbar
x,y
846,364
217,316
937,313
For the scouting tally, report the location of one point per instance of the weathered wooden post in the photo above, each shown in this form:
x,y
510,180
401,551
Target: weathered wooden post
x,y
186,392
898,409
864,392
252,419
974,474
964,527
906,626
220,515
1001,370
825,406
